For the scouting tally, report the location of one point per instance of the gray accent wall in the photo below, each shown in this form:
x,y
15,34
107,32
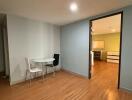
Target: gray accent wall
x,y
126,62
2,65
74,47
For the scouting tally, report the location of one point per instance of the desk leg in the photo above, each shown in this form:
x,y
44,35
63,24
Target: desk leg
x,y
43,70
46,70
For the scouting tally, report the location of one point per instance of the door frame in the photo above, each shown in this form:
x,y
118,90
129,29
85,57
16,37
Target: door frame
x,y
90,42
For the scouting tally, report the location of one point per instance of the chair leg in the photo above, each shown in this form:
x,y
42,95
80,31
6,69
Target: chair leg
x,y
43,75
26,75
30,79
35,74
55,68
53,71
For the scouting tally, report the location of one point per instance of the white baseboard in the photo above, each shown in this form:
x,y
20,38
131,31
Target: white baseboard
x,y
23,80
16,82
74,73
126,89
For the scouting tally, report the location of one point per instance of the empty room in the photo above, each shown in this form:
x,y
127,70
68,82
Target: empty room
x,y
65,50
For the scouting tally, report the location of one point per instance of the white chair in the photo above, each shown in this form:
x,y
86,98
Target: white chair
x,y
31,70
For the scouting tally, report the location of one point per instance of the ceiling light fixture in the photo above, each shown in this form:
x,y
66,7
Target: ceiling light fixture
x,y
113,30
93,30
73,7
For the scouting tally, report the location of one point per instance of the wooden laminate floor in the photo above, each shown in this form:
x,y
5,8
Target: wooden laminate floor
x,y
66,86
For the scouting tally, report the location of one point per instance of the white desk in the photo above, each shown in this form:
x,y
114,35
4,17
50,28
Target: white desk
x,y
43,61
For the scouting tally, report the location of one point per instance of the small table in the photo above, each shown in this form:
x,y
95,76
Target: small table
x,y
43,61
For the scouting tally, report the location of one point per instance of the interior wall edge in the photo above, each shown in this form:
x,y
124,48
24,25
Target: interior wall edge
x,y
126,89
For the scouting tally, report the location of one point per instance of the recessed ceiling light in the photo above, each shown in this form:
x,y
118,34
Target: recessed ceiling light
x,y
73,7
113,30
93,30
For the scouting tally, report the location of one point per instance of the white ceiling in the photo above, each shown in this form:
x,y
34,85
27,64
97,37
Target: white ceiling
x,y
107,25
57,11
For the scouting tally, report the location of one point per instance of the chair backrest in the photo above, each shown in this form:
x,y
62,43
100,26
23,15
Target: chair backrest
x,y
28,63
56,61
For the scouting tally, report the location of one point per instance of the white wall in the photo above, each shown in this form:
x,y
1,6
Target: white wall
x,y
28,38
